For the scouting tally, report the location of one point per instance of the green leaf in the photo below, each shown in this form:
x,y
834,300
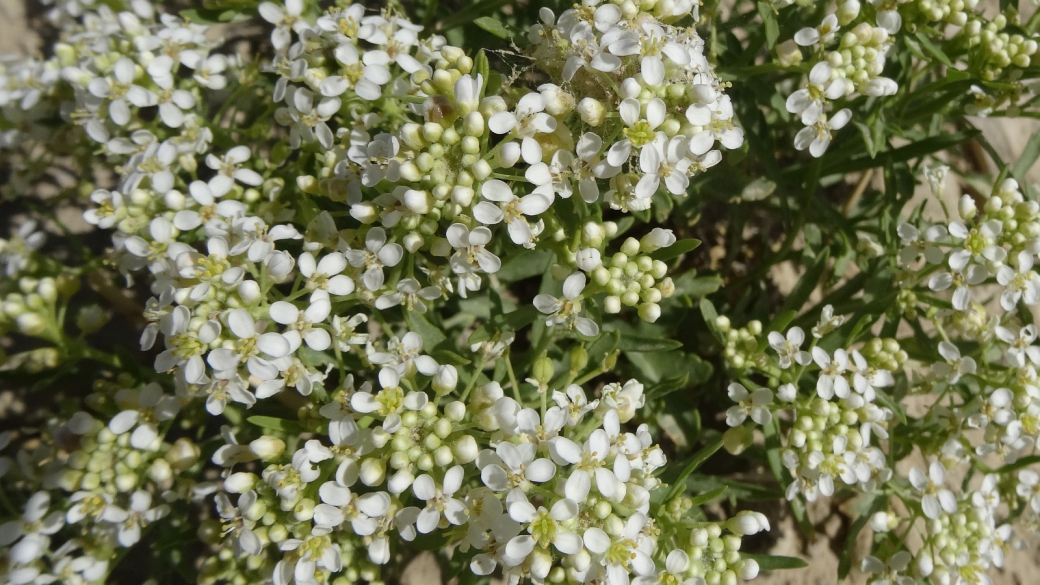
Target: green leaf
x,y
806,284
668,386
276,424
933,49
431,336
513,321
481,68
675,250
1025,162
493,26
637,343
1023,462
709,496
775,562
690,284
765,10
679,485
845,561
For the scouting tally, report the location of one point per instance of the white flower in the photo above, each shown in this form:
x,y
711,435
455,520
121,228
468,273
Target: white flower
x,y
832,380
914,244
325,274
241,324
1021,283
544,527
663,160
1020,346
526,121
374,257
565,311
828,322
638,131
471,256
755,405
439,500
121,91
511,209
516,467
389,401
404,355
284,21
33,528
302,325
574,403
808,102
371,66
822,34
935,498
630,553
788,348
140,513
15,252
229,170
152,407
411,294
955,365
866,378
817,137
889,573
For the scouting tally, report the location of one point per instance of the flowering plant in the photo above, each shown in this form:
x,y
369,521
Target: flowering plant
x,y
351,288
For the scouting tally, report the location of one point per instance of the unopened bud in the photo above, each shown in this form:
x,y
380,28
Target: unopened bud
x,y
445,379
241,482
183,454
91,318
543,370
591,111
966,207
267,447
788,53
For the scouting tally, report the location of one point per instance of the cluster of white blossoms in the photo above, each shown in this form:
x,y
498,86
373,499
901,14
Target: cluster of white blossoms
x,y
347,365
428,179
845,64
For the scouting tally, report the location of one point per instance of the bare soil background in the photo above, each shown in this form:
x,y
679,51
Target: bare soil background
x,y
1022,567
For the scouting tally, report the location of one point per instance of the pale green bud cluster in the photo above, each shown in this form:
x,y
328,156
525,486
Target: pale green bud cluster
x,y
742,344
634,279
884,354
715,557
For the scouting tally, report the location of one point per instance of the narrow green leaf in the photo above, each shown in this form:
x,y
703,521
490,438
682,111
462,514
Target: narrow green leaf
x,y
679,485
845,561
276,424
668,386
675,250
933,49
775,562
1023,462
493,26
765,10
709,496
806,284
1025,162
638,343
481,68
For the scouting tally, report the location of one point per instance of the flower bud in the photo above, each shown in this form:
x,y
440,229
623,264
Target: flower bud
x,y
466,449
445,379
848,11
31,324
417,201
588,259
591,111
267,447
373,471
786,392
240,482
612,305
748,569
966,207
543,370
249,291
630,247
736,439
879,522
455,411
788,53
744,524
160,471
649,312
557,101
48,289
412,242
657,238
91,318
183,454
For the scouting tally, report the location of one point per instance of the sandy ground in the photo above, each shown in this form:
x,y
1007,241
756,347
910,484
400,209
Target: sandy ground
x,y
1022,567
